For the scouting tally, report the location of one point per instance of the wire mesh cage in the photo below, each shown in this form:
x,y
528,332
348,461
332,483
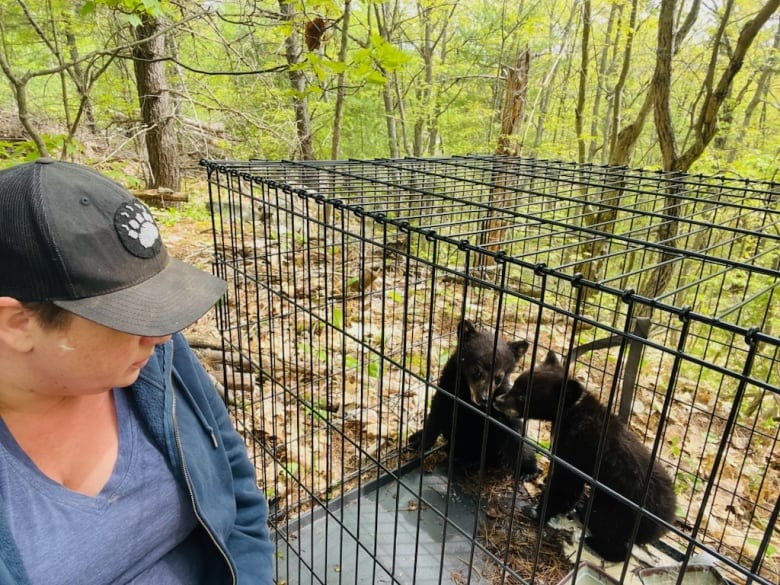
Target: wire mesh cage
x,y
348,283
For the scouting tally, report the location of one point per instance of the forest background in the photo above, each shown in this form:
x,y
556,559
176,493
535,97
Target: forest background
x,y
144,89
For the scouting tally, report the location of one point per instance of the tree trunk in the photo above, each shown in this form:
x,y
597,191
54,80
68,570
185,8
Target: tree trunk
x,y
626,138
513,111
79,79
613,27
425,93
620,150
705,126
390,119
579,109
293,51
156,109
341,93
386,19
502,195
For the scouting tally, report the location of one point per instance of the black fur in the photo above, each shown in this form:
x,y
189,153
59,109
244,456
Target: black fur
x,y
478,368
624,465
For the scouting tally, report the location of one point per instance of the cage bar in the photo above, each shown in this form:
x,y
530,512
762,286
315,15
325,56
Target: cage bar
x,y
347,280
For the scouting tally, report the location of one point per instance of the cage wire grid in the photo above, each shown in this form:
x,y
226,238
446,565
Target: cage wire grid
x,y
347,280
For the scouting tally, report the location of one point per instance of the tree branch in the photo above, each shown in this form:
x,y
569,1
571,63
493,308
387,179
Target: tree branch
x,y
706,126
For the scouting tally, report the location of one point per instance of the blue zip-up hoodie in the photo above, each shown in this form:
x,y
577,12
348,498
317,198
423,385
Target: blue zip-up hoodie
x,y
176,403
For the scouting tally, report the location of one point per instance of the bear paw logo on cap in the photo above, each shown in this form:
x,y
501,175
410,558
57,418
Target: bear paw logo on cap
x,y
136,229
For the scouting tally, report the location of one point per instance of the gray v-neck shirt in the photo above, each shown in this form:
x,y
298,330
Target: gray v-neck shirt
x,y
139,529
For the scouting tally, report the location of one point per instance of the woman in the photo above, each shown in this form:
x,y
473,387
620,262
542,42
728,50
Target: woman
x,y
118,461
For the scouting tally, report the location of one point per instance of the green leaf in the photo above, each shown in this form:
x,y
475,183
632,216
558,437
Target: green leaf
x,y
388,55
87,9
152,7
337,318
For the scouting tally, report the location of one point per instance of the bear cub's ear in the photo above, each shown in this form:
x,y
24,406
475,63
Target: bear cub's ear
x,y
466,330
552,359
519,348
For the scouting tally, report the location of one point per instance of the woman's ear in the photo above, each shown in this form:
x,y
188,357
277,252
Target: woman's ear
x,y
16,325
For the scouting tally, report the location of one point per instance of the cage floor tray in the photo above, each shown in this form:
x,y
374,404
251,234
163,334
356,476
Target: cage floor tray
x,y
381,534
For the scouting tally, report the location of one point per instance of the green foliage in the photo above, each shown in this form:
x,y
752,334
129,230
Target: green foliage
x,y
337,317
374,369
454,111
17,151
323,68
169,216
131,9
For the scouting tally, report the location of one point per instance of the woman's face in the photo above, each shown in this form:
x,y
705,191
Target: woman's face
x,y
83,357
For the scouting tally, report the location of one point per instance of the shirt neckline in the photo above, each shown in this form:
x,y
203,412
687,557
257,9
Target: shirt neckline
x,y
28,471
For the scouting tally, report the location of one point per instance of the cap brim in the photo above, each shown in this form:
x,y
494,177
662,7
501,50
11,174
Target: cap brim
x,y
169,301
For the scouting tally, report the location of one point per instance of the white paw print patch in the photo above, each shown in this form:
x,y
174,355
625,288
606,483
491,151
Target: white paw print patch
x,y
136,229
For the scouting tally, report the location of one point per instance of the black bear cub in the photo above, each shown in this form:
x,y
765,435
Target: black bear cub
x,y
624,464
479,366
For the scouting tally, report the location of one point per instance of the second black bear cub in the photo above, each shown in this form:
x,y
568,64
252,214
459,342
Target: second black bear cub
x,y
624,465
478,368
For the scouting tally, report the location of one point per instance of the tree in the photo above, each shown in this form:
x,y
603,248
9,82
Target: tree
x,y
763,86
583,77
714,94
156,104
82,71
338,112
297,76
704,128
418,78
658,100
387,19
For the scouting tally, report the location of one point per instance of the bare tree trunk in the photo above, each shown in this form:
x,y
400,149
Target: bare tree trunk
x,y
19,89
626,138
512,113
604,215
425,93
657,280
428,95
613,26
579,109
293,51
390,120
77,75
386,18
341,93
156,108
705,126
622,156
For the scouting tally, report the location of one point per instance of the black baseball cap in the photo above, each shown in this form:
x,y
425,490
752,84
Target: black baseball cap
x,y
73,237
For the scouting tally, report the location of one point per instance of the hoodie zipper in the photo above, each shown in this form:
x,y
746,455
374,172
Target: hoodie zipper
x,y
190,491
